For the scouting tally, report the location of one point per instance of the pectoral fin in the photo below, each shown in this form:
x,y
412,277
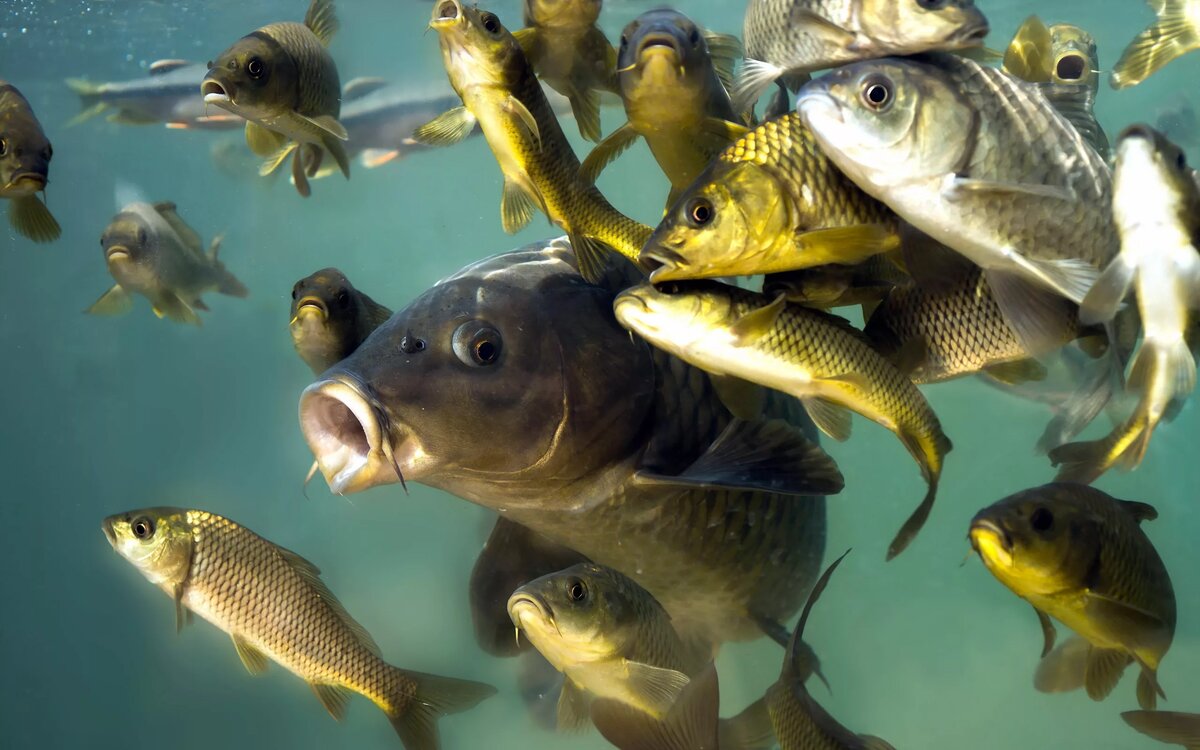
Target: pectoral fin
x,y
516,206
607,150
515,106
169,305
653,689
1041,319
116,301
690,723
1167,726
253,660
1063,669
963,188
585,105
1017,372
446,129
742,398
573,707
263,142
830,418
724,130
845,245
30,217
1104,299
1134,628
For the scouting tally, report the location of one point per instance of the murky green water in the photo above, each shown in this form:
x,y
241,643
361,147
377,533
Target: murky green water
x,y
103,415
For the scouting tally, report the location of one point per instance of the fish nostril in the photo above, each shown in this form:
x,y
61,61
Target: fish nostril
x,y
1070,68
448,11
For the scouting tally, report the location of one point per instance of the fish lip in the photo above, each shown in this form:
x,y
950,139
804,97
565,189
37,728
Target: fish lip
x,y
815,98
109,534
314,303
991,527
973,34
519,598
116,252
1077,59
446,13
670,263
352,439
38,179
660,40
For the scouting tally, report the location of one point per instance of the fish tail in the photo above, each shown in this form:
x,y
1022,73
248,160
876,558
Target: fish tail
x,y
1173,728
1166,366
421,699
227,283
89,99
1083,462
1169,37
929,448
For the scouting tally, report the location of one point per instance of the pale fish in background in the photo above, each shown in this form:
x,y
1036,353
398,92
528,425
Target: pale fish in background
x,y
169,94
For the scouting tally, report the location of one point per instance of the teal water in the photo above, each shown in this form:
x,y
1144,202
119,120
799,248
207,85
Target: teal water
x,y
103,415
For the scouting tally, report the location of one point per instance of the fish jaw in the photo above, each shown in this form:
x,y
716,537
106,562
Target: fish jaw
x,y
351,442
993,544
107,527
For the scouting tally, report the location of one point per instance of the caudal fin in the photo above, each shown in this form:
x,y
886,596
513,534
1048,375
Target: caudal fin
x,y
89,100
432,698
930,458
227,283
1168,38
1167,726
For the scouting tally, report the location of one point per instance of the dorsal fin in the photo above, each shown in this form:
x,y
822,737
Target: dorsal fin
x,y
312,576
1140,511
167,210
322,20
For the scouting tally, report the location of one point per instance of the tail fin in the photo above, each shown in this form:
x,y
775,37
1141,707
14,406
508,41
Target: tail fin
x,y
1168,38
1167,726
89,99
227,283
930,461
432,698
1172,361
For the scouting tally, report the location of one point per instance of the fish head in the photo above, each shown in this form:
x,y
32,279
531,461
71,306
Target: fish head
x,y
131,245
1074,56
522,381
25,152
583,614
156,541
890,122
255,78
477,49
661,50
910,26
561,14
1151,169
733,215
323,317
1037,542
680,316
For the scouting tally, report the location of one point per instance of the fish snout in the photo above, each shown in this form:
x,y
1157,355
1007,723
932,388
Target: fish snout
x,y
106,527
216,92
659,43
446,13
1139,131
991,541
115,253
27,181
524,607
311,306
663,262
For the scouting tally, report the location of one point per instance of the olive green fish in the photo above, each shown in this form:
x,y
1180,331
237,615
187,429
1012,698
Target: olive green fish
x,y
282,79
837,285
151,251
1081,557
499,91
571,54
25,155
983,163
671,75
275,606
1167,726
330,318
1175,32
770,202
811,355
800,722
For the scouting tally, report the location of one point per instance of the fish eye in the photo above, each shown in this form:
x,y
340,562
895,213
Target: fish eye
x,y
700,211
1180,160
932,4
296,290
3,146
1041,520
142,527
577,591
877,93
255,68
670,288
141,236
695,36
477,344
343,299
491,23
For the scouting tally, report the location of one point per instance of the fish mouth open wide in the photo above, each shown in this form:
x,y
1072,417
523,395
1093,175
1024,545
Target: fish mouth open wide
x,y
214,92
446,13
1071,67
351,439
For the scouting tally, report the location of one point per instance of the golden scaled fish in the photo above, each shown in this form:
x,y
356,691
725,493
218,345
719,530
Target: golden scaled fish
x,y
1081,557
1170,727
818,358
1175,32
770,202
25,155
1156,204
800,722
672,82
275,606
500,92
151,251
330,318
571,54
282,79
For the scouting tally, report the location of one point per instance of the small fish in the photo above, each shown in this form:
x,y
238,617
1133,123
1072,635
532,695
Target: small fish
x,y
275,606
770,202
282,79
330,318
151,251
671,75
982,163
500,92
1156,203
818,358
835,285
800,722
168,95
1081,557
571,54
25,155
794,37
1166,726
1174,33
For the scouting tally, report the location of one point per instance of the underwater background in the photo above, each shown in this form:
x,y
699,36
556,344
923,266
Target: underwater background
x,y
102,415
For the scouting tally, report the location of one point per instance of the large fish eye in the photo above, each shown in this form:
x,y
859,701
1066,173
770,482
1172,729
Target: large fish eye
x,y
142,527
695,37
255,68
699,212
477,344
1041,520
877,93
3,146
491,24
577,591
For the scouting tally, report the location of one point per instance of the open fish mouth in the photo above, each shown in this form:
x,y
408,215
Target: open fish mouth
x,y
215,92
973,35
1070,67
446,13
664,263
659,43
311,306
352,439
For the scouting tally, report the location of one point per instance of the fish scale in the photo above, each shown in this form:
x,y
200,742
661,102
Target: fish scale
x,y
319,89
771,33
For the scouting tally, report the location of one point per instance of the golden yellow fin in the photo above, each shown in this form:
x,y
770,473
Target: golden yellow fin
x,y
1171,36
446,129
1028,56
263,142
322,19
253,660
116,301
30,217
333,697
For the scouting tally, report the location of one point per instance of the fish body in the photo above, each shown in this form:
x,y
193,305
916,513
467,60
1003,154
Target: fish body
x,y
1175,32
790,37
150,251
770,202
588,441
500,92
808,354
571,54
170,94
1081,557
25,155
274,605
330,318
380,123
835,285
981,162
283,80
673,97
1171,727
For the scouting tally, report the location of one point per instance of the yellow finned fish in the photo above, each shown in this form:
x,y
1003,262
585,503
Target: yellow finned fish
x,y
25,155
1174,33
